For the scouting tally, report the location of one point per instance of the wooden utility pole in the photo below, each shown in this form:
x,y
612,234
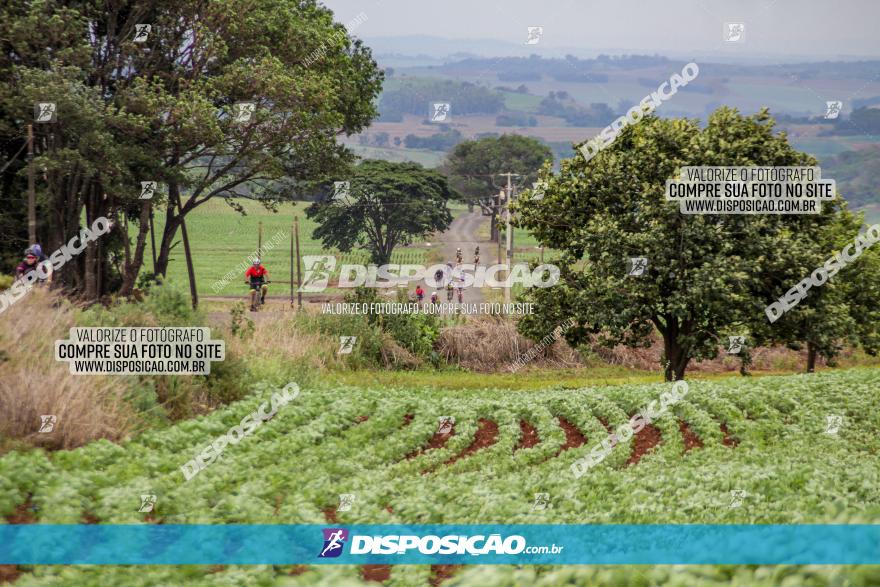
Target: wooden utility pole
x,y
189,264
299,295
260,239
32,196
153,240
499,197
509,235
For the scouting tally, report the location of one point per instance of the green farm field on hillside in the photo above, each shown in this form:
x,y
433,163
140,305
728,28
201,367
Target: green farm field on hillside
x,y
765,438
221,240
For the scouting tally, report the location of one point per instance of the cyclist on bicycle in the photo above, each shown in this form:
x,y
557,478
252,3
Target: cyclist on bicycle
x,y
449,292
435,299
458,255
35,260
420,293
257,276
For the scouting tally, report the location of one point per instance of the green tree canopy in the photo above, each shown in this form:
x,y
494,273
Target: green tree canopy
x,y
708,276
387,205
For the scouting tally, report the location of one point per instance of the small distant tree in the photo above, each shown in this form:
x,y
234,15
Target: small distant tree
x,y
388,205
473,168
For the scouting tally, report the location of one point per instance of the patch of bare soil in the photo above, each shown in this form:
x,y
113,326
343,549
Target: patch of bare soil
x,y
440,573
330,514
377,573
529,436
298,570
691,440
437,441
486,435
361,419
573,437
643,441
728,439
407,418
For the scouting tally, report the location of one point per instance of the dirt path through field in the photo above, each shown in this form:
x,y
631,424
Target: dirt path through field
x,y
463,233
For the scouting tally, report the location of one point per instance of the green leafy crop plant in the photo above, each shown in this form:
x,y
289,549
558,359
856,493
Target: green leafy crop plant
x,y
764,436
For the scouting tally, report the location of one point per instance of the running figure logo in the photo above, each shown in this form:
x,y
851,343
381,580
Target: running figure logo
x,y
832,109
346,500
445,424
833,424
148,189
734,32
141,31
317,270
346,344
340,190
534,35
334,539
47,423
542,501
439,111
736,497
736,344
636,266
147,503
44,111
244,111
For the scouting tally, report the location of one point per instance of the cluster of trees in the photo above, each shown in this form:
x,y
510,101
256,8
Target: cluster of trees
x,y
441,141
857,174
709,276
515,119
415,96
570,68
163,109
562,105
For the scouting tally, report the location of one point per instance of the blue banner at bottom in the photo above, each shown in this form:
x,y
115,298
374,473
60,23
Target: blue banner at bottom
x,y
44,544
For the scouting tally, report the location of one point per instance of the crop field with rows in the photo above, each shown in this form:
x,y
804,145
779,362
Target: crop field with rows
x,y
766,439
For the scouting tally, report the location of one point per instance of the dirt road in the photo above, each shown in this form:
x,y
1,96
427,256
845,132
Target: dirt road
x,y
463,233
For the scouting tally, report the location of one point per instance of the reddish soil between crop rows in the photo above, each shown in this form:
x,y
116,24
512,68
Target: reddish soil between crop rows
x,y
728,439
691,440
643,441
573,437
529,436
486,435
378,573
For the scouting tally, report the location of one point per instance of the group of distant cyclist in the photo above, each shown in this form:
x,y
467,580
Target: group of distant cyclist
x,y
454,284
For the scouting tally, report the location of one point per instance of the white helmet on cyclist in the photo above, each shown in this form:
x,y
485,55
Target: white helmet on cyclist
x,y
256,261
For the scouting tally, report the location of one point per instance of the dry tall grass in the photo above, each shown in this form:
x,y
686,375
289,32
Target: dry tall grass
x,y
492,344
33,383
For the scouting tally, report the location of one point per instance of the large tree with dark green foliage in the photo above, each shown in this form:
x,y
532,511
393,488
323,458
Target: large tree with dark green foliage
x,y
473,168
708,276
163,110
387,205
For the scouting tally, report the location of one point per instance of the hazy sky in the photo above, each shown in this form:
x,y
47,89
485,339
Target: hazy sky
x,y
781,27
